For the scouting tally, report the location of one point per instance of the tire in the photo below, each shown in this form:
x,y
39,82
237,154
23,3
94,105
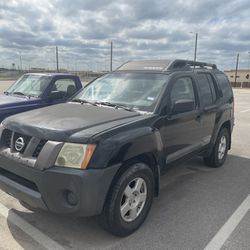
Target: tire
x,y
125,194
216,158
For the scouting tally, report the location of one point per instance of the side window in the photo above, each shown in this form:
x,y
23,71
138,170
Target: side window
x,y
206,93
212,86
63,88
224,85
182,90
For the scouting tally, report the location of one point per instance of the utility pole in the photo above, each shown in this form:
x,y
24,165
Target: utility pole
x,y
248,73
20,57
236,70
111,55
57,65
195,46
248,60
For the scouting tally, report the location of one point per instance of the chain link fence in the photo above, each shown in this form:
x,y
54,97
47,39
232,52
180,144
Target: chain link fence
x,y
86,62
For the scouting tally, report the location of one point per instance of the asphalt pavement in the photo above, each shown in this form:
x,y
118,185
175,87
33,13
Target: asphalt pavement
x,y
198,208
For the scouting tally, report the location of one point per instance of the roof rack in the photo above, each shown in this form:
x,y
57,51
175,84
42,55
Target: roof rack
x,y
145,65
186,63
163,65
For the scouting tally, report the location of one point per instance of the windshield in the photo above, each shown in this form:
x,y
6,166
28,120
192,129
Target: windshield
x,y
134,90
30,85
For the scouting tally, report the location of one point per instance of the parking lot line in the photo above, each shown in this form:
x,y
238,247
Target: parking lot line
x,y
30,230
244,111
224,233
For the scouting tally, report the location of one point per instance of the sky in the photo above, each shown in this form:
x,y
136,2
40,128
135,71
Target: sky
x,y
140,29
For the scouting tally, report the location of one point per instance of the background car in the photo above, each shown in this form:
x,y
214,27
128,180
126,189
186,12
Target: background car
x,y
33,91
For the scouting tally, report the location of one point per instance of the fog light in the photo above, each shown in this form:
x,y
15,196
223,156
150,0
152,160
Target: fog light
x,y
71,198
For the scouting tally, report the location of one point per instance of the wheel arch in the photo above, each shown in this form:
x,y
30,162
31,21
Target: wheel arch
x,y
227,125
148,159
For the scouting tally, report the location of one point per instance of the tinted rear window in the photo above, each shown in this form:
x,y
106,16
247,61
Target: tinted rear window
x,y
206,89
212,86
224,85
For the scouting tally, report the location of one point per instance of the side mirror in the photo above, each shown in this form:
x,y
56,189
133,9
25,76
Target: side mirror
x,y
182,106
55,95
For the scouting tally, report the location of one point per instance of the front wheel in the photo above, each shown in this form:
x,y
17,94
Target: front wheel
x,y
220,149
129,201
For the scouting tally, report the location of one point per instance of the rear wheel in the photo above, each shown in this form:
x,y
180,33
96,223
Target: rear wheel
x,y
220,149
129,201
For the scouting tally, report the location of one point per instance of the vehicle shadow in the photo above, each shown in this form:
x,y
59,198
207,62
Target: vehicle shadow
x,y
190,193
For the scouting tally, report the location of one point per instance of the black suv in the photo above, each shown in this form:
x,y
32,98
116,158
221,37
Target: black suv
x,y
103,152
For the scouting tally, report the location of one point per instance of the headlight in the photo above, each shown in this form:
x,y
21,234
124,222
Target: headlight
x,y
75,155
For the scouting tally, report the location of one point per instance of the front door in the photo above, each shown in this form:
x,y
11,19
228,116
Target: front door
x,y
62,90
181,132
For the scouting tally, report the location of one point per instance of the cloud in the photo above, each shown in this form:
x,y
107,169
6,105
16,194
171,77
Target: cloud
x,y
139,29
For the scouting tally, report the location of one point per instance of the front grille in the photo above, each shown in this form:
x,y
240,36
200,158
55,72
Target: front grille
x,y
9,138
39,148
6,138
25,138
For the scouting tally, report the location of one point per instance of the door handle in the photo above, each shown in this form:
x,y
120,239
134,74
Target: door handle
x,y
210,108
198,117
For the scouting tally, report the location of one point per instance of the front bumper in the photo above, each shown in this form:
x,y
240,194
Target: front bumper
x,y
59,190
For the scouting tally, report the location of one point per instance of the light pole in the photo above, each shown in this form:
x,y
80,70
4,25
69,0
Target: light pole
x,y
236,70
111,56
57,64
20,57
195,46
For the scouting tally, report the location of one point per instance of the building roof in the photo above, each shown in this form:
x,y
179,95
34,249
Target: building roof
x,y
239,70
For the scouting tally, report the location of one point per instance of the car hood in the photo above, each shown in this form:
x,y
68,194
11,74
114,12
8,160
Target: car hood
x,y
7,101
61,121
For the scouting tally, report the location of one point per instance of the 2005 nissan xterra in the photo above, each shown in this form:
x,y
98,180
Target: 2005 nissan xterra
x,y
103,152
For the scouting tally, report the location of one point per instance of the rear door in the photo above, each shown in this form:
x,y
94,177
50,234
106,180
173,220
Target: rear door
x,y
181,132
227,104
208,98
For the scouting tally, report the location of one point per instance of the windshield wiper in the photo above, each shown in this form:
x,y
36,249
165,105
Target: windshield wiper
x,y
21,94
115,105
82,101
18,93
